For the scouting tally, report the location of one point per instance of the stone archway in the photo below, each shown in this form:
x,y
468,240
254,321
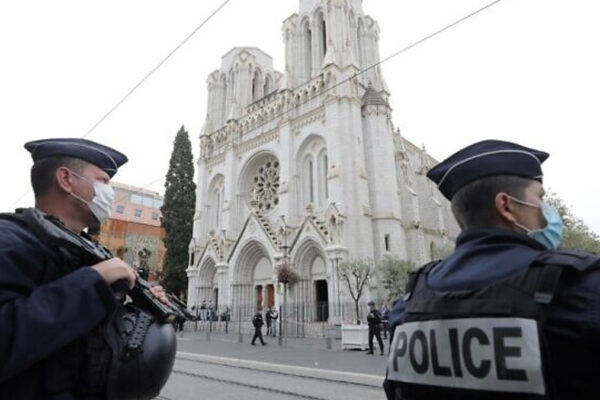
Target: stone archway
x,y
313,289
207,276
252,276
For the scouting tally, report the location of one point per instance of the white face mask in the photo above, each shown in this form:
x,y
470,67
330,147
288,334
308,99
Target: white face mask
x,y
101,204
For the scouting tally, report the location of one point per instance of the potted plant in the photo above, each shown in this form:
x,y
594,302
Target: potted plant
x,y
355,274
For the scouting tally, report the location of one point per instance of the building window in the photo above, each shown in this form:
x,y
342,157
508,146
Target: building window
x,y
138,212
218,210
120,209
155,216
322,178
265,185
136,199
310,182
387,241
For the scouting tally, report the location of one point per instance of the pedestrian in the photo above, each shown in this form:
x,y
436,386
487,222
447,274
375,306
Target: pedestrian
x,y
274,317
385,320
257,322
271,318
52,307
507,315
203,311
374,321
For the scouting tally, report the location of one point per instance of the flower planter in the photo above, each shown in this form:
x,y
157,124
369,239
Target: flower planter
x,y
355,337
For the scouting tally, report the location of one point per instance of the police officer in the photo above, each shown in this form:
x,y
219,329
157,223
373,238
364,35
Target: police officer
x,y
374,321
507,315
258,322
47,308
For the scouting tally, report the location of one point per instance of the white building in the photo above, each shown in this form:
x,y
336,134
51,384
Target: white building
x,y
307,164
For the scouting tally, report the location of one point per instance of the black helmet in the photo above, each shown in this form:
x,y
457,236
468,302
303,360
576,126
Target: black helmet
x,y
143,354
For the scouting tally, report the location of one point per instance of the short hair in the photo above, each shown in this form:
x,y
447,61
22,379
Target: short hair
x,y
43,172
473,205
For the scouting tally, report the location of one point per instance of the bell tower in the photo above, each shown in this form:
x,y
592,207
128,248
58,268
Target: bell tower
x,y
326,32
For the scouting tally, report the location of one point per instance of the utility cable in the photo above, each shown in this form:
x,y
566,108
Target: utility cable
x,y
144,79
153,70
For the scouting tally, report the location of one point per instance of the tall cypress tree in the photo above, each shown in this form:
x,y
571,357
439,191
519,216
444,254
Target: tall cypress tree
x,y
178,213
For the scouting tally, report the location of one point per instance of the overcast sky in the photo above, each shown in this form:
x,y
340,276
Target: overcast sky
x,y
524,70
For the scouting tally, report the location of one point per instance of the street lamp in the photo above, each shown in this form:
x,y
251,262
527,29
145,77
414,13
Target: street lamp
x,y
285,248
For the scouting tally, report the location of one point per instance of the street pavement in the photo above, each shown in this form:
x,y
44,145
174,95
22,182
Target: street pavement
x,y
220,367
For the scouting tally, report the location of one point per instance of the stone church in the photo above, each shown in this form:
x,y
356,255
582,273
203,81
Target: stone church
x,y
306,166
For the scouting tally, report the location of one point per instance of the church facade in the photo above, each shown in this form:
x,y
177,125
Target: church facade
x,y
306,166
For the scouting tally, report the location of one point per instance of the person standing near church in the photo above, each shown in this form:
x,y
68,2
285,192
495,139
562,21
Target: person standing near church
x,y
374,321
258,322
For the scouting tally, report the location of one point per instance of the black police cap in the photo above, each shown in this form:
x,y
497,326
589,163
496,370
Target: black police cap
x,y
103,157
483,159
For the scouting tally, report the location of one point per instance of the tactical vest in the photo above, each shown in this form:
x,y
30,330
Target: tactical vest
x,y
489,343
130,355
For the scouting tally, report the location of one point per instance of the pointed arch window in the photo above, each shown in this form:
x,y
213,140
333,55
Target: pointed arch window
x,y
218,210
268,85
322,178
311,182
223,114
257,86
308,187
324,35
359,41
321,40
307,51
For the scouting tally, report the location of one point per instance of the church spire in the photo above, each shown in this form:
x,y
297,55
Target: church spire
x,y
331,32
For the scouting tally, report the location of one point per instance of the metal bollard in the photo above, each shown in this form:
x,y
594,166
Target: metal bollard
x,y
208,336
328,343
240,337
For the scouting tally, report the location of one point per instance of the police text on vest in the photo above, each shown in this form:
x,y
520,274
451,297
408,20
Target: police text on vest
x,y
495,354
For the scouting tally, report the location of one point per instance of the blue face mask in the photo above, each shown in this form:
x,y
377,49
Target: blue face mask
x,y
551,235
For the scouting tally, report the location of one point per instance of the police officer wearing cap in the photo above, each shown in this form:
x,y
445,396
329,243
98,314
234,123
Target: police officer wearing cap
x,y
47,308
507,315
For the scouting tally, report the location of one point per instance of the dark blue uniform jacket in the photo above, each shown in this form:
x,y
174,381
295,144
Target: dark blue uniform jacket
x,y
483,256
46,306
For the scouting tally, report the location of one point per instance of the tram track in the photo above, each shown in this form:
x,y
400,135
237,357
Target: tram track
x,y
221,377
252,367
247,385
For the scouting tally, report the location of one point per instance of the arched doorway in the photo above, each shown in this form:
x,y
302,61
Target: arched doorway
x,y
206,281
312,291
253,275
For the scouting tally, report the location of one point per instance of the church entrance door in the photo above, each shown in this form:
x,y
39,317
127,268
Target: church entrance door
x,y
259,296
270,296
322,300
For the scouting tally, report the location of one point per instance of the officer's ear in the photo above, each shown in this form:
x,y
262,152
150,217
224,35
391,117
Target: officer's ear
x,y
64,179
506,209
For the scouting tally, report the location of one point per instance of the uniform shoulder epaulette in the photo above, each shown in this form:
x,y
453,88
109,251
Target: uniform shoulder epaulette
x,y
577,259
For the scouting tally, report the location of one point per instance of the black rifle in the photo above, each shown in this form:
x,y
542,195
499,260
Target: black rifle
x,y
181,306
88,252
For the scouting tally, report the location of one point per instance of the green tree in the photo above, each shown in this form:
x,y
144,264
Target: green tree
x,y
576,235
355,274
394,275
178,214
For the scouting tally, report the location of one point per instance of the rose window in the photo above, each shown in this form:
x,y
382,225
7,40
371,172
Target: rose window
x,y
265,185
